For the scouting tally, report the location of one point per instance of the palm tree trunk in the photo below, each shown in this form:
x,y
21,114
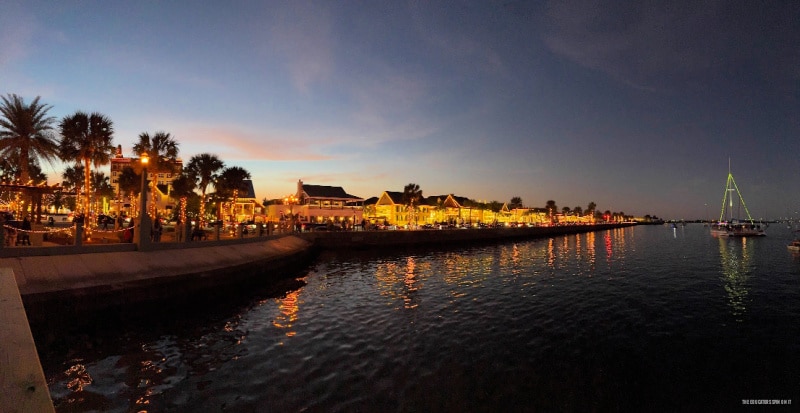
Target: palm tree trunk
x,y
87,185
24,174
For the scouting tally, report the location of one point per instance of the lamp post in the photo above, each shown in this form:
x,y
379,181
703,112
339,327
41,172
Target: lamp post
x,y
291,200
142,236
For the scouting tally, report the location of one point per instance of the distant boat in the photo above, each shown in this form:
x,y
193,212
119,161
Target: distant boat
x,y
794,246
727,226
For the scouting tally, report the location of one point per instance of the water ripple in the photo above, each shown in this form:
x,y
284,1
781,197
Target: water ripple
x,y
626,319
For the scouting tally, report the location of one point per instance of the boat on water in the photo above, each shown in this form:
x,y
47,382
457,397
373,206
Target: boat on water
x,y
727,225
794,246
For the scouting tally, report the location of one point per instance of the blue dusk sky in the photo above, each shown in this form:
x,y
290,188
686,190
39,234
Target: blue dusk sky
x,y
636,106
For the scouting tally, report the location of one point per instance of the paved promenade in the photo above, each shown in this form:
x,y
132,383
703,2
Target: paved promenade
x,y
115,275
23,387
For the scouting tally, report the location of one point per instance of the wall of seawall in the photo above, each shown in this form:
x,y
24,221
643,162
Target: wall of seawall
x,y
403,238
60,286
64,282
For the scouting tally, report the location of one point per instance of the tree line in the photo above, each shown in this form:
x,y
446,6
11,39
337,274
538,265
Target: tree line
x,y
84,141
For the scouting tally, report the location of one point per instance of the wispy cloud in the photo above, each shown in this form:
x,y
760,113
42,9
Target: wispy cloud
x,y
652,43
233,143
301,34
17,33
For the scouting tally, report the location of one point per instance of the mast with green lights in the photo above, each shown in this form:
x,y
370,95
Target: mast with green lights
x,y
727,198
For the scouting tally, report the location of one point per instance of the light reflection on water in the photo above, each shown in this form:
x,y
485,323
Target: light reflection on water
x,y
674,318
735,257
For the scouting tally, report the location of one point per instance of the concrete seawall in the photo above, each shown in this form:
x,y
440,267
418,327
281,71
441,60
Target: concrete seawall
x,y
68,281
54,286
401,238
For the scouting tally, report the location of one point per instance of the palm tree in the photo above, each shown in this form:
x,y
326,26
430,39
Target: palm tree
x,y
129,183
203,170
182,187
591,208
73,178
88,138
72,183
161,149
412,194
516,202
551,208
229,182
26,131
102,188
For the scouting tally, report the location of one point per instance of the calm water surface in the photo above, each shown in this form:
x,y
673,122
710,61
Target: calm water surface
x,y
647,318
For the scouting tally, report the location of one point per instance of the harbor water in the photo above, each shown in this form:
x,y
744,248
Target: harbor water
x,y
644,318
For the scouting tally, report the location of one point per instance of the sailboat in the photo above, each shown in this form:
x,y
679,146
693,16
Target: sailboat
x,y
727,226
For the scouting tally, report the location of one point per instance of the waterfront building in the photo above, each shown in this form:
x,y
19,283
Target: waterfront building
x,y
245,207
390,209
319,204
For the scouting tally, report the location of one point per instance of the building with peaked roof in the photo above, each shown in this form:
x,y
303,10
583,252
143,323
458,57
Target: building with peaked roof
x,y
319,204
390,208
246,206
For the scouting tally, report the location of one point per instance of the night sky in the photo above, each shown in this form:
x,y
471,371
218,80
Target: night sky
x,y
636,106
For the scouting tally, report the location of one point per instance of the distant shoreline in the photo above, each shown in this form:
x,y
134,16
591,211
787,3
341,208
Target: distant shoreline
x,y
339,240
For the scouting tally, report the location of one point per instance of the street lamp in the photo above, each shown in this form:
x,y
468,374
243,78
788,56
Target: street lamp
x,y
144,219
290,200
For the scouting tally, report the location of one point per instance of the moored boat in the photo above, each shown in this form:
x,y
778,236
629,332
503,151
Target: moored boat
x,y
737,229
727,226
794,246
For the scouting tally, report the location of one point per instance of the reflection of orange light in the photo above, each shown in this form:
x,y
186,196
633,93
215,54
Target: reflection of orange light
x,y
79,377
590,250
410,282
288,314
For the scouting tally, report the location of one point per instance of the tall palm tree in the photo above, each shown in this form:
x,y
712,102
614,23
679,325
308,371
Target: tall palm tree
x,y
26,131
161,149
411,197
182,187
203,169
590,208
551,207
88,138
129,183
516,202
230,182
